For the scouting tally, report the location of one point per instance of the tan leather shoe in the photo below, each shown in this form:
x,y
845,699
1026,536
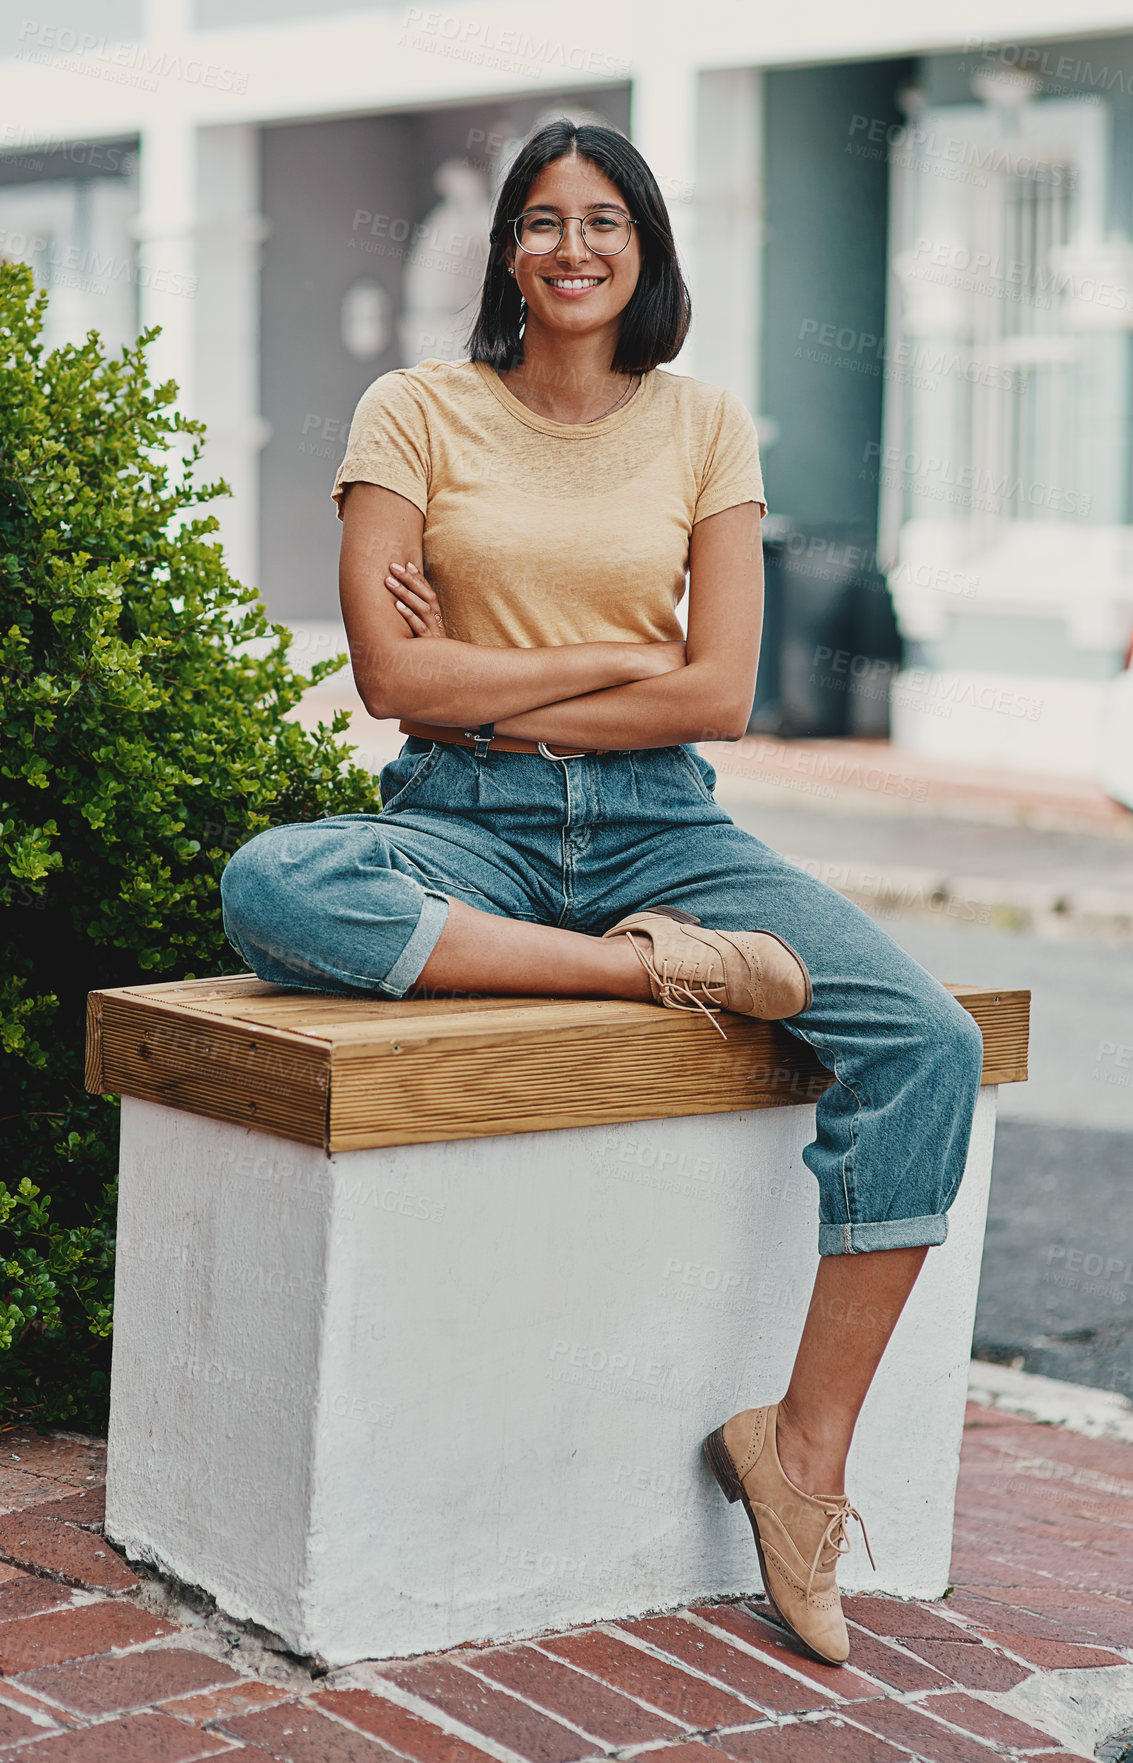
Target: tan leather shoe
x,y
753,972
798,1537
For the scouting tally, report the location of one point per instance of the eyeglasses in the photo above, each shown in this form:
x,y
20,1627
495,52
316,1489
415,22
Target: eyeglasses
x,y
538,232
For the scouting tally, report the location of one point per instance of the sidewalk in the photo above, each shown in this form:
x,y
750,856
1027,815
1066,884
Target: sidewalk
x,y
1031,1655
911,837
879,779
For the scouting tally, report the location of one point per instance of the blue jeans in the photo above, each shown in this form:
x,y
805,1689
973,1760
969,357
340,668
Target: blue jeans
x,y
356,903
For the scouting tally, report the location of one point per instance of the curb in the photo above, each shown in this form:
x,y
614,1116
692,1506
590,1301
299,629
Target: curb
x,y
1054,915
1097,1414
1080,1708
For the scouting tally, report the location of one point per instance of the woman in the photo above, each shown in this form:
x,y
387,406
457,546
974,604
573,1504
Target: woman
x,y
517,528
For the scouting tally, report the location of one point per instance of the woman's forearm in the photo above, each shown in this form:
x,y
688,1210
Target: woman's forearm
x,y
688,705
451,683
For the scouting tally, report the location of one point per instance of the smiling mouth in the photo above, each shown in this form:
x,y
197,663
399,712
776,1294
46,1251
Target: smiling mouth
x,y
573,284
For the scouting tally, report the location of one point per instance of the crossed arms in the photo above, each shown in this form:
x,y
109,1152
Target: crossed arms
x,y
585,694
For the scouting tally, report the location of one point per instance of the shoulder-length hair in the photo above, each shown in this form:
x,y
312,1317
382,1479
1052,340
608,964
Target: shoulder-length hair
x,y
656,319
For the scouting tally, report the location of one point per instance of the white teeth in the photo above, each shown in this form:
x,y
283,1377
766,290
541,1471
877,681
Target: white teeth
x,y
575,281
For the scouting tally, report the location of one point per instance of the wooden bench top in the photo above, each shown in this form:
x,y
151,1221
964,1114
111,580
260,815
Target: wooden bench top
x,y
345,1073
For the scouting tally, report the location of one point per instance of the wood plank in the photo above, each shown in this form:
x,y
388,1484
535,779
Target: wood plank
x,y
92,1063
261,1078
203,991
441,1085
319,1013
1004,1018
492,1027
345,1072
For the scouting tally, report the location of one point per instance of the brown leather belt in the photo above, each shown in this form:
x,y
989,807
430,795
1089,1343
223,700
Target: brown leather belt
x,y
482,742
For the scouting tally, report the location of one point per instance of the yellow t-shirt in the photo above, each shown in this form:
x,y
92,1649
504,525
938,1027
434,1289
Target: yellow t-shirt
x,y
540,532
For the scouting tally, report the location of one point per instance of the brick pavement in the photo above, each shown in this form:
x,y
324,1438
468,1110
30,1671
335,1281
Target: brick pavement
x,y
98,1665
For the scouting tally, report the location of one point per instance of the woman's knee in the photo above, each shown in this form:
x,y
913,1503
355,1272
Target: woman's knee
x,y
274,885
954,1044
254,878
253,892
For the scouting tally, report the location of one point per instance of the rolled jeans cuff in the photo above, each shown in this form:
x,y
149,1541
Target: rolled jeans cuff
x,y
890,1233
407,967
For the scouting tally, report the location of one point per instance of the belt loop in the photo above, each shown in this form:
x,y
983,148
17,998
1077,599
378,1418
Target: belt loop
x,y
482,741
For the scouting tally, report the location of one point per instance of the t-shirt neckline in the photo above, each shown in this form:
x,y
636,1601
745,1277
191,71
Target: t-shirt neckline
x,y
570,430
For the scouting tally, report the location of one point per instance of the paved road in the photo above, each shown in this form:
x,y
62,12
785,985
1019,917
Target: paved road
x,y
1057,1286
1056,1294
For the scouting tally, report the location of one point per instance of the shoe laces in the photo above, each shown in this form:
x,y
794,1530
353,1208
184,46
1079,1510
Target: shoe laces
x,y
834,1538
672,990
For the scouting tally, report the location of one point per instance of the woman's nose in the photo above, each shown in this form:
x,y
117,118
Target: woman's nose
x,y
572,245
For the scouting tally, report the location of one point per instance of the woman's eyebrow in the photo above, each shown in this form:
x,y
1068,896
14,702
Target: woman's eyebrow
x,y
551,208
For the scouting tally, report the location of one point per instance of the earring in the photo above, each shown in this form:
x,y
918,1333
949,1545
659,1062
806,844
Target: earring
x,y
510,270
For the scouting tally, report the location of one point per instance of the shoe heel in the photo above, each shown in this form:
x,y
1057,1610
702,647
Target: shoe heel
x,y
721,1465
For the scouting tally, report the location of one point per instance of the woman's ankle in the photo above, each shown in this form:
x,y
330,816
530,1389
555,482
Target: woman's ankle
x,y
626,971
813,1457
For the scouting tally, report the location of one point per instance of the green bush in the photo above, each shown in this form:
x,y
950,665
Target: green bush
x,y
139,748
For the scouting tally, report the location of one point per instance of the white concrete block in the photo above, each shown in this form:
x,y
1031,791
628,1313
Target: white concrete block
x,y
389,1400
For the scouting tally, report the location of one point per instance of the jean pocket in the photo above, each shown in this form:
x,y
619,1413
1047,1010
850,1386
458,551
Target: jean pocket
x,y
402,777
699,770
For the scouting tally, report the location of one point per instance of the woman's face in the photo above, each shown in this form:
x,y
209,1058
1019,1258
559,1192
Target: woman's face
x,y
574,289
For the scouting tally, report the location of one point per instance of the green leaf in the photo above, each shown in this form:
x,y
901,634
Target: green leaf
x,y
140,745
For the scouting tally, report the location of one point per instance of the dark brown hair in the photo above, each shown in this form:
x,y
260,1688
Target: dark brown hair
x,y
656,319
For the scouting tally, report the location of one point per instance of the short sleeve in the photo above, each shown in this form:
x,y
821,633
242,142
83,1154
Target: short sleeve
x,y
731,472
389,442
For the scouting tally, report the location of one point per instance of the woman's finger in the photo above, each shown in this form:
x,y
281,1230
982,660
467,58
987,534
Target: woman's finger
x,y
414,580
429,621
413,619
407,593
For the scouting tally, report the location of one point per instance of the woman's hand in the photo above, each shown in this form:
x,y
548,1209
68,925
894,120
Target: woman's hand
x,y
416,600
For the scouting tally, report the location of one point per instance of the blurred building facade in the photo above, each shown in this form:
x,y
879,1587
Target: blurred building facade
x,y
911,254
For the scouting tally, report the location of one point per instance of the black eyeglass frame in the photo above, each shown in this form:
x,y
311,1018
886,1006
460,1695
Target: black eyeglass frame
x,y
562,220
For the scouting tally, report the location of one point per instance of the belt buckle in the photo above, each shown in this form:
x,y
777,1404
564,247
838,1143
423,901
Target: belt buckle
x,y
558,756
